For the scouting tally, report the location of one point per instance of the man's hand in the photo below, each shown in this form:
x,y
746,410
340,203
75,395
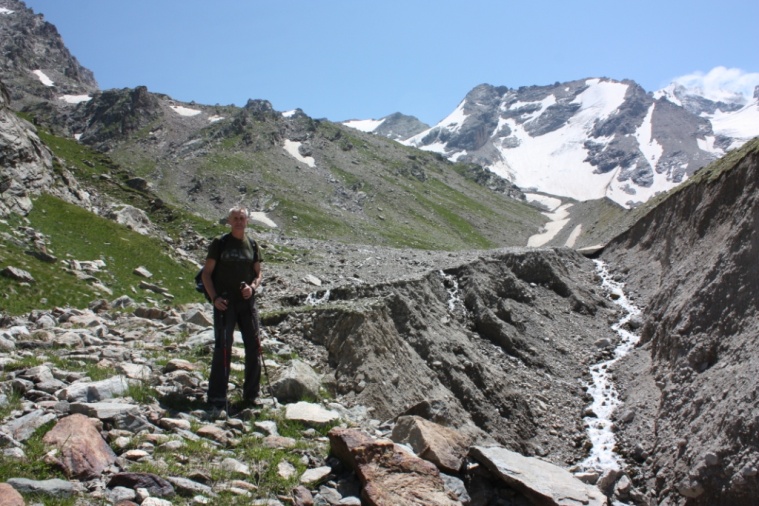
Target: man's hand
x,y
220,303
246,290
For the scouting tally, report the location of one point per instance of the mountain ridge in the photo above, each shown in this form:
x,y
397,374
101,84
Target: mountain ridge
x,y
590,138
630,145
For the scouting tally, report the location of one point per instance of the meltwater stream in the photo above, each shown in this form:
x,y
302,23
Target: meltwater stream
x,y
605,397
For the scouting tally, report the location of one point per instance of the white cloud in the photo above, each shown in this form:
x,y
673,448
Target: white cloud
x,y
721,83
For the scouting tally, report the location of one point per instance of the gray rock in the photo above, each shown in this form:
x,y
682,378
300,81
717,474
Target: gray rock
x,y
310,414
53,488
22,428
295,382
95,391
103,410
541,481
189,488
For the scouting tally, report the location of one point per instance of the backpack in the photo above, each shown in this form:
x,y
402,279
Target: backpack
x,y
199,276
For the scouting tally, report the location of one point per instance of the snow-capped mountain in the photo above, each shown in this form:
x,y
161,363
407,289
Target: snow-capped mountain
x,y
732,115
592,138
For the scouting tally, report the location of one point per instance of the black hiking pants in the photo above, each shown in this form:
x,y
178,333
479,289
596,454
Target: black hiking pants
x,y
243,314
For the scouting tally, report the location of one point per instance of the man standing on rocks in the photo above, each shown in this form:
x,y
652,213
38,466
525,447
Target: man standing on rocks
x,y
231,275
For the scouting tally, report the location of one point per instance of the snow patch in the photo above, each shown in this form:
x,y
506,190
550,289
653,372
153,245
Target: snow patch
x,y
185,111
43,78
650,148
77,136
75,99
437,147
215,118
364,125
289,114
292,149
707,144
5,11
261,217
558,218
452,122
572,239
741,125
550,203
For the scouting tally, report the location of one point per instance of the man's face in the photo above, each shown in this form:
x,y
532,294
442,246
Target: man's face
x,y
238,220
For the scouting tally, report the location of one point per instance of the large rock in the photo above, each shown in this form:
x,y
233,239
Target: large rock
x,y
296,382
542,482
82,451
310,414
443,446
132,218
389,475
9,496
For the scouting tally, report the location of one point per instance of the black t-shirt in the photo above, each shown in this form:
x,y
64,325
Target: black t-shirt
x,y
234,265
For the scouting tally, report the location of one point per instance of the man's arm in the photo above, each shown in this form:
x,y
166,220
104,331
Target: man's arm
x,y
259,276
249,290
207,278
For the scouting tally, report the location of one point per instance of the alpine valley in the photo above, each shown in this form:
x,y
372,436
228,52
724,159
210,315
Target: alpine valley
x,y
548,298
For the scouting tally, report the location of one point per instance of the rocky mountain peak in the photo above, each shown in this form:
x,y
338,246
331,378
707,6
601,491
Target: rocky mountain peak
x,y
26,162
35,62
395,126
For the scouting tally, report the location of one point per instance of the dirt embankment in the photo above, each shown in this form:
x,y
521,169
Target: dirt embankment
x,y
692,384
498,345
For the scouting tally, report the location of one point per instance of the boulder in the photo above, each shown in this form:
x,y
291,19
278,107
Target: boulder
x,y
82,451
389,474
296,382
443,446
542,482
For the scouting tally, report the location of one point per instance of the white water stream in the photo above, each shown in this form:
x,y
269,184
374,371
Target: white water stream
x,y
605,397
313,299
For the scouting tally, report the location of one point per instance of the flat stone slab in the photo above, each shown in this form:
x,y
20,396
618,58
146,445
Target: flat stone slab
x,y
542,482
311,414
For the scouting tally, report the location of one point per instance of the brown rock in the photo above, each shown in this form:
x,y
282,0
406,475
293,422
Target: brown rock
x,y
214,433
390,475
83,453
443,446
302,496
10,497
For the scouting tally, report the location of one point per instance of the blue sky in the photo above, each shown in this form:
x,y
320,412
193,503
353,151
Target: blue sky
x,y
361,59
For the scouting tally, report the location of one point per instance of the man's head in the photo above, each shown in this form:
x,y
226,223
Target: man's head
x,y
238,219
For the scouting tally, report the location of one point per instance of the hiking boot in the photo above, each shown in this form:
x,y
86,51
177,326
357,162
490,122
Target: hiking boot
x,y
217,410
242,409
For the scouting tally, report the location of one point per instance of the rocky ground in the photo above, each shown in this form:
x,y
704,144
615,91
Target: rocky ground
x,y
487,352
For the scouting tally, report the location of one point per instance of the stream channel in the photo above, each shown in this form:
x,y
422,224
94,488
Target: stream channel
x,y
605,396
